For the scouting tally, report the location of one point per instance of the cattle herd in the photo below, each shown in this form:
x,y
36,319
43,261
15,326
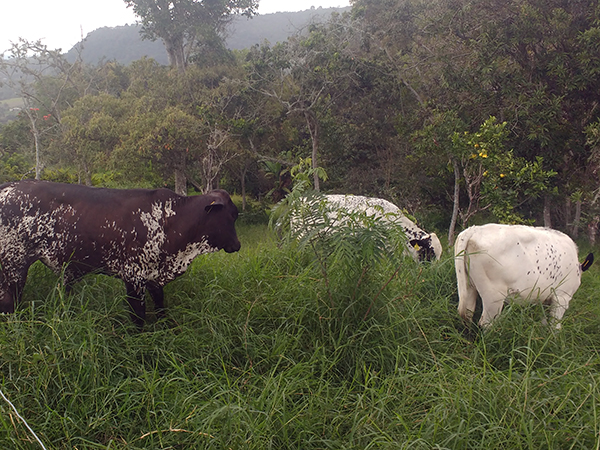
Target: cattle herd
x,y
149,237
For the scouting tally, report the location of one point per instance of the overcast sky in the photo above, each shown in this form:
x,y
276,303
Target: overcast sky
x,y
63,23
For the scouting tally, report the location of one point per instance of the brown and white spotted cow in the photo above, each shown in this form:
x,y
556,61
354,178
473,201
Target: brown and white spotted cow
x,y
145,237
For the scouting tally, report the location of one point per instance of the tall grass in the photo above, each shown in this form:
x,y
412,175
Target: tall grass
x,y
258,353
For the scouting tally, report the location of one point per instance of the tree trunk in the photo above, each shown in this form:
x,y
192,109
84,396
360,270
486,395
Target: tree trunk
x,y
87,173
547,216
38,164
243,180
593,230
313,127
180,182
36,140
576,219
180,177
456,202
174,45
568,223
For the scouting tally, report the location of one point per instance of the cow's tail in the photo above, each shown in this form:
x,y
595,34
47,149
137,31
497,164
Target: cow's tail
x,y
467,294
587,262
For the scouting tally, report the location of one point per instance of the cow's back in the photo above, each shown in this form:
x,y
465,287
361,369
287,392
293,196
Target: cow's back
x,y
390,213
90,228
103,200
523,258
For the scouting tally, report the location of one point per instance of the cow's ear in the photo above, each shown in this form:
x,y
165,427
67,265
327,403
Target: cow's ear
x,y
416,244
588,262
214,205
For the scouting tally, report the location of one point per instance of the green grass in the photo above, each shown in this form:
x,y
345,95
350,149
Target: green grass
x,y
257,353
13,102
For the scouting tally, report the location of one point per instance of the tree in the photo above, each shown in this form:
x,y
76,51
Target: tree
x,y
531,63
15,143
29,69
527,63
48,85
220,115
493,178
183,24
91,132
168,138
390,31
306,75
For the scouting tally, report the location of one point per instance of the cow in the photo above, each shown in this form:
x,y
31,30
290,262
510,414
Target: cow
x,y
501,261
145,237
422,246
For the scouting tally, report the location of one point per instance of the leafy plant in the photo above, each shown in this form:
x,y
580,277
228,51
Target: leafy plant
x,y
495,178
354,251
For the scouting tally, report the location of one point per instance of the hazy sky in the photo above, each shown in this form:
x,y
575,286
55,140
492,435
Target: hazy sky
x,y
62,23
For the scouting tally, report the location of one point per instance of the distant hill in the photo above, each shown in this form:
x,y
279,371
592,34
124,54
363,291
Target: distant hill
x,y
124,44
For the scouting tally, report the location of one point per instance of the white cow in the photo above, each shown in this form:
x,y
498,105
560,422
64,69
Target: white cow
x,y
420,244
500,261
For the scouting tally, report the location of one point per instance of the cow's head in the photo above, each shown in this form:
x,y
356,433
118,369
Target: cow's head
x,y
220,217
428,248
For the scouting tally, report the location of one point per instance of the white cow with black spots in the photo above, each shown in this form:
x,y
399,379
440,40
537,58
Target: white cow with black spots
x,y
420,244
499,261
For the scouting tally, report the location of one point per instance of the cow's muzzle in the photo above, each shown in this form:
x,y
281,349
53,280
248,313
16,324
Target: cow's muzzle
x,y
233,247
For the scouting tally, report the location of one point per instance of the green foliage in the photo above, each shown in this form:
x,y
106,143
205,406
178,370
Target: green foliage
x,y
91,131
514,182
282,214
14,167
373,96
353,250
61,176
247,359
304,173
496,178
255,212
188,25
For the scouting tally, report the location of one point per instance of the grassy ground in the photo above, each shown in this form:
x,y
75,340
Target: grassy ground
x,y
259,352
12,102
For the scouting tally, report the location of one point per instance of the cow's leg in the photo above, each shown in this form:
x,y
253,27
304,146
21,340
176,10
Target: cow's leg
x,y
69,277
558,306
492,301
11,289
7,298
7,302
135,298
491,308
492,291
158,296
467,300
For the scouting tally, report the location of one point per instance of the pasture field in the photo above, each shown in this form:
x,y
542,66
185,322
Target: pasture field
x,y
264,349
15,102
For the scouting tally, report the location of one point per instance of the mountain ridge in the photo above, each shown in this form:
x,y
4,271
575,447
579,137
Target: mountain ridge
x,y
124,44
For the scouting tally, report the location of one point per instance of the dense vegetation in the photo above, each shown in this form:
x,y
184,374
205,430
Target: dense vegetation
x,y
457,111
460,112
259,352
